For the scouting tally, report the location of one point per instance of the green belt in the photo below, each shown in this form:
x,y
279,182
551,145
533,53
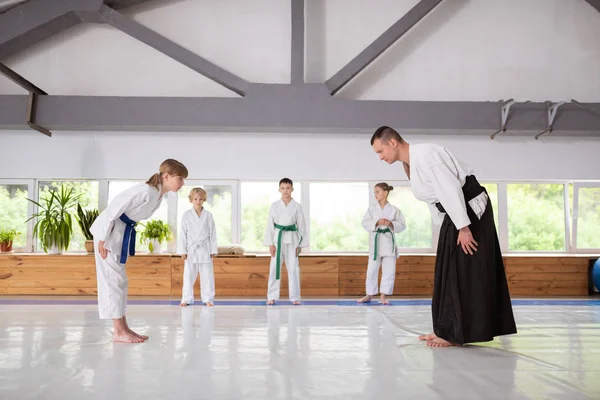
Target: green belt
x,y
385,230
283,228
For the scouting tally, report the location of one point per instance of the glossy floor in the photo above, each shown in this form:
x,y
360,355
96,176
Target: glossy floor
x,y
59,349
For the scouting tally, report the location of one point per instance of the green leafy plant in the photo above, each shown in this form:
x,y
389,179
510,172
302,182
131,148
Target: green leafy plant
x,y
85,219
8,235
54,224
155,230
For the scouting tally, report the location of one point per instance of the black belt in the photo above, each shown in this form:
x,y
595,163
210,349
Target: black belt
x,y
470,189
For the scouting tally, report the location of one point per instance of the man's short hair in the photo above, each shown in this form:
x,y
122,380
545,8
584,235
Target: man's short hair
x,y
385,133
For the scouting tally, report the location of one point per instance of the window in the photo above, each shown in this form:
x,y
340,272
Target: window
x,y
13,211
88,192
218,202
418,233
536,217
256,199
588,217
336,213
116,187
492,190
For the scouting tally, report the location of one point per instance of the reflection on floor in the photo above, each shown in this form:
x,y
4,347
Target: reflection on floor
x,y
325,349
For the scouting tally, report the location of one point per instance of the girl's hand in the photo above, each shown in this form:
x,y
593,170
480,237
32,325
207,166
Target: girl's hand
x,y
103,251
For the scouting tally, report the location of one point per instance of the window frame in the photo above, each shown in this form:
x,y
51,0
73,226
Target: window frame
x,y
574,248
31,209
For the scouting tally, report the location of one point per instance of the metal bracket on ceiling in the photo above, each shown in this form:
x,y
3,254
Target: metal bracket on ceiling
x,y
505,109
551,116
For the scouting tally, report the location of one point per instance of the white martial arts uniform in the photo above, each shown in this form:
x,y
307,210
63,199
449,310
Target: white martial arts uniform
x,y
137,203
437,176
198,239
283,215
387,251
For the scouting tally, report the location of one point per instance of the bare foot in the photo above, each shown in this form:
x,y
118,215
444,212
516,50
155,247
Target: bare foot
x,y
429,337
366,299
384,301
439,342
183,304
128,329
143,337
209,304
126,337
296,303
270,302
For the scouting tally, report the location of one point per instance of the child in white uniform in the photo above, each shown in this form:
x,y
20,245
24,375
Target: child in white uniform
x,y
114,239
197,244
382,221
285,235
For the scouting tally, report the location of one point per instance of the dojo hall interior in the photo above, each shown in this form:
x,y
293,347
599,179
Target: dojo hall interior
x,y
95,94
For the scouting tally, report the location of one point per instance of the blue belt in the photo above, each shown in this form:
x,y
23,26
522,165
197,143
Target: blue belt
x,y
128,238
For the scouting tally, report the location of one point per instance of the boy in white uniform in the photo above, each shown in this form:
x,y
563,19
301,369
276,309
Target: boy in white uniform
x,y
382,221
197,244
114,239
285,235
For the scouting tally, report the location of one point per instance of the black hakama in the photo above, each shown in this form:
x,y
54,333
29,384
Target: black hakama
x,y
471,301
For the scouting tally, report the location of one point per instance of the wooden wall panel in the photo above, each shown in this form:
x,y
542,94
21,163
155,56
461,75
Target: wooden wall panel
x,y
327,276
76,274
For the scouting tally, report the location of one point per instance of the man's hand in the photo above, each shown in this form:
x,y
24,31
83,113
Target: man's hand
x,y
103,251
465,239
298,250
272,250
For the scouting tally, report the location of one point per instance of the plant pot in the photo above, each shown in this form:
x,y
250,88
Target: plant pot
x,y
89,246
5,247
54,250
154,246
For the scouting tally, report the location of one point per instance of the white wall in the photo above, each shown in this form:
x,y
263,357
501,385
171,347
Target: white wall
x,y
464,50
270,156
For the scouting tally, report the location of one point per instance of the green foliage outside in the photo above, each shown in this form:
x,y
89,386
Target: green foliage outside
x,y
535,217
13,211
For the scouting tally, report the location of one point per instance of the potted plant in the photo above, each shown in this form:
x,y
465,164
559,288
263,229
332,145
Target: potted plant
x,y
54,225
155,233
86,218
7,236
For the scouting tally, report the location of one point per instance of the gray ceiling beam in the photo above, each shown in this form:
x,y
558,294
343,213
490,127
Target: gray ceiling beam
x,y
175,51
19,80
13,111
297,58
36,20
120,4
6,5
381,44
594,3
299,108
